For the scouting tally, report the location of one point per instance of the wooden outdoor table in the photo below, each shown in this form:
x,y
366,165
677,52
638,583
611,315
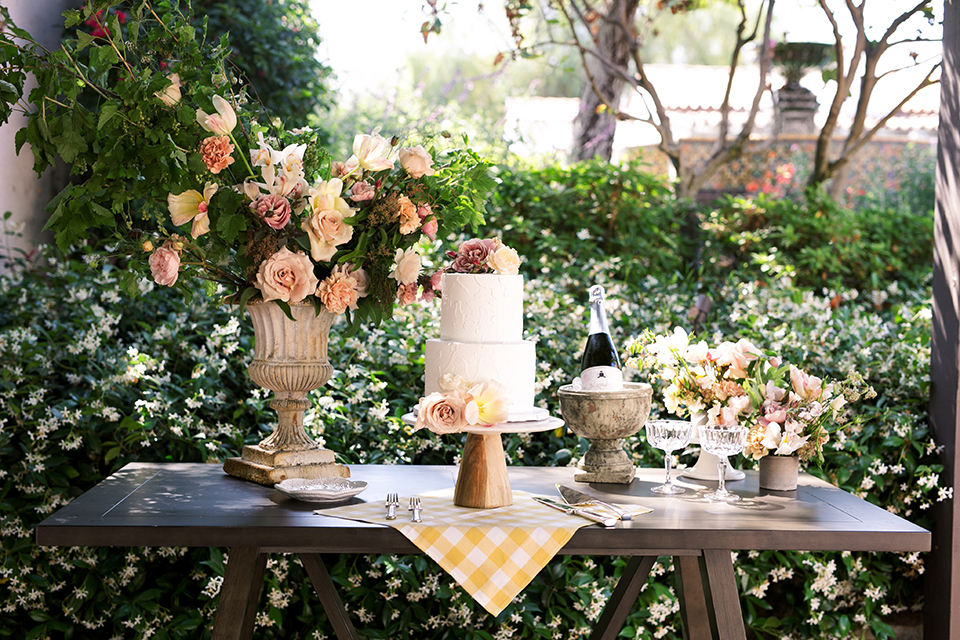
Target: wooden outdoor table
x,y
147,504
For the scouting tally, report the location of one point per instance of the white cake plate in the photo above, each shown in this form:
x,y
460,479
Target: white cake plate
x,y
529,426
482,481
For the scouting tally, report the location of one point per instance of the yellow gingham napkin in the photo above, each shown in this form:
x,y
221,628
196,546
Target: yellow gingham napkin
x,y
492,553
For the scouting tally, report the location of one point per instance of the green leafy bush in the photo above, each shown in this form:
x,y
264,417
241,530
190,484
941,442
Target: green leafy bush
x,y
820,243
90,382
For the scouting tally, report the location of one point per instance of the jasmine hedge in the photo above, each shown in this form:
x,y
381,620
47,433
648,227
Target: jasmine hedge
x,y
90,382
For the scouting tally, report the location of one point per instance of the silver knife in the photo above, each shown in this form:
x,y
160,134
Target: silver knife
x,y
584,513
574,497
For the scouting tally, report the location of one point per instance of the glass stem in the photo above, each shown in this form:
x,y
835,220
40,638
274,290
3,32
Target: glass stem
x,y
722,465
668,462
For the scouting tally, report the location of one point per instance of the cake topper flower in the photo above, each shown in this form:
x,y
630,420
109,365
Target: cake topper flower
x,y
460,404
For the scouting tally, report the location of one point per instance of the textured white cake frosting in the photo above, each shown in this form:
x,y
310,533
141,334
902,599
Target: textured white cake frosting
x,y
482,307
481,339
512,364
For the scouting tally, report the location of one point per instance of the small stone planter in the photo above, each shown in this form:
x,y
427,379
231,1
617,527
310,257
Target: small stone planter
x,y
779,473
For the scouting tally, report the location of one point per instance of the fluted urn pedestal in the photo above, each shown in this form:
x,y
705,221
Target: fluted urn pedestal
x,y
290,359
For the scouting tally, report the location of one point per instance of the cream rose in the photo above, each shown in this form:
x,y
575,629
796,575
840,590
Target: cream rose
x,y
504,261
441,413
286,276
416,161
407,269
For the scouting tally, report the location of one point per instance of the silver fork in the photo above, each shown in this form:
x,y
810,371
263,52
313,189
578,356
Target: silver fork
x,y
393,501
416,508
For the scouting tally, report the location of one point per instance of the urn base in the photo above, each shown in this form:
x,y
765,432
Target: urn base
x,y
268,468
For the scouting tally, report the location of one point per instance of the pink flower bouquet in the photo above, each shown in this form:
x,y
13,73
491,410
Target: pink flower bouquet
x,y
787,410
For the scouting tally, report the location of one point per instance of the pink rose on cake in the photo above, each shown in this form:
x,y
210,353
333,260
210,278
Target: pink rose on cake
x,y
441,413
460,404
484,255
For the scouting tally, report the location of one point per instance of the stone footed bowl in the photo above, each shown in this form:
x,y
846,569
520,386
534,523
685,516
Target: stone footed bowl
x,y
606,418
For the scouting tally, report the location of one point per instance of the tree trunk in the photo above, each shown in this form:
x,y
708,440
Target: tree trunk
x,y
595,124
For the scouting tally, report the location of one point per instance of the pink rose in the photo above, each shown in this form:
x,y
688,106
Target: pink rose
x,y
472,255
165,265
362,191
407,214
407,293
436,280
430,228
416,161
441,413
286,276
274,210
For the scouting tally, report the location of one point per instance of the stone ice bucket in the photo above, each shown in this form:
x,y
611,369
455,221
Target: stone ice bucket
x,y
605,418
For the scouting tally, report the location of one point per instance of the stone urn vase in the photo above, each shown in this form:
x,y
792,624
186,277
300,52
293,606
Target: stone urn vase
x,y
779,473
605,418
290,359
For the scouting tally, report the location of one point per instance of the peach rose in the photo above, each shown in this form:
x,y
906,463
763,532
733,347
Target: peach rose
x,y
165,265
407,269
286,276
343,288
216,151
441,413
325,224
504,261
416,161
407,213
407,293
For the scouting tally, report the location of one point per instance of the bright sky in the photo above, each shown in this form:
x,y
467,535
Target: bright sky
x,y
367,41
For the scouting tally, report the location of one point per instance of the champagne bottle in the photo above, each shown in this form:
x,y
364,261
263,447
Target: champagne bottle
x,y
600,364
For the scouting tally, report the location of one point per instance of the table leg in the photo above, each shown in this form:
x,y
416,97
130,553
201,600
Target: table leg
x,y
724,599
332,604
623,598
239,594
694,614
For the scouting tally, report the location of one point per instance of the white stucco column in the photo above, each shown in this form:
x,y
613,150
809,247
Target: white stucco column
x,y
21,191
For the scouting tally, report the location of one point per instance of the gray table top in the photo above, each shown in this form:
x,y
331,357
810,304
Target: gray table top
x,y
183,504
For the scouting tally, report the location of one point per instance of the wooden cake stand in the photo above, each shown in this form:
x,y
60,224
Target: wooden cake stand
x,y
482,482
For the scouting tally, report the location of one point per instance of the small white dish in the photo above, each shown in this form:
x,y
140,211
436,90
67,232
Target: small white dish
x,y
327,491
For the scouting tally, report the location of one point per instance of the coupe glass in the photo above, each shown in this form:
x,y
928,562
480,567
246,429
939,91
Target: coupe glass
x,y
723,442
668,435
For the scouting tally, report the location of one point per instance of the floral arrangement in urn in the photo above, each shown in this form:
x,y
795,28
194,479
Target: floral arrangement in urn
x,y
788,411
185,178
